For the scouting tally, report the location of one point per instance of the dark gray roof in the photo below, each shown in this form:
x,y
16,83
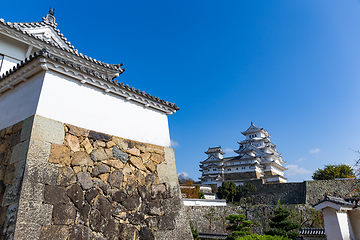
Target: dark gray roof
x,y
46,54
212,235
312,232
22,28
337,200
214,150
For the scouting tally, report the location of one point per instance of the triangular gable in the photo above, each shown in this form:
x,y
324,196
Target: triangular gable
x,y
252,128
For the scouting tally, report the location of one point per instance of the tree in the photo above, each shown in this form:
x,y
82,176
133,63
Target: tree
x,y
333,171
239,226
187,188
201,195
227,191
243,196
210,216
281,225
194,231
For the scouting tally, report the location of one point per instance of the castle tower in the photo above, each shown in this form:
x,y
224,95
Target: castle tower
x,y
82,156
257,159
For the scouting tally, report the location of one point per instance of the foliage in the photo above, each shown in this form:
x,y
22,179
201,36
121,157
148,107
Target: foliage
x,y
201,195
262,237
307,217
227,191
333,171
194,231
239,226
245,191
281,225
188,189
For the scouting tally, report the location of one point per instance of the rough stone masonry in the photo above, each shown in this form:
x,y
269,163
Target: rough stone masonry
x,y
59,181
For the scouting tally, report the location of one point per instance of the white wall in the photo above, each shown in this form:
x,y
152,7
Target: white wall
x,y
7,64
67,100
20,102
204,202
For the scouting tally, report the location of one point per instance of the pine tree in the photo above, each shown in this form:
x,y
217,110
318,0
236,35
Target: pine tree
x,y
281,225
239,226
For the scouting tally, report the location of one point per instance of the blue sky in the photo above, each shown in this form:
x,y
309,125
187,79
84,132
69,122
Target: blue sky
x,y
291,67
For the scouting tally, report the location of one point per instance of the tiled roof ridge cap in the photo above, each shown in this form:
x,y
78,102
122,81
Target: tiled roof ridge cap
x,y
46,54
71,48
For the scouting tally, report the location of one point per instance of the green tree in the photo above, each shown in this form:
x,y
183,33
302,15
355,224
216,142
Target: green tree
x,y
227,191
201,195
194,231
262,237
239,226
281,225
333,171
243,196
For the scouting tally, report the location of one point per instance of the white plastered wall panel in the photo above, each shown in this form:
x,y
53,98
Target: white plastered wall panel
x,y
65,99
20,102
11,48
7,64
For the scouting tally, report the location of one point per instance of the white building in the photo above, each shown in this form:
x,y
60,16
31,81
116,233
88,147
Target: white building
x,y
257,159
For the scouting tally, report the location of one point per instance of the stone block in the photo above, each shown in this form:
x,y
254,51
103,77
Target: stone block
x,y
128,232
110,144
55,194
17,127
98,155
26,128
87,145
81,159
34,212
3,145
167,169
120,155
99,143
80,232
47,130
137,163
134,151
158,191
19,152
9,174
39,151
85,180
111,230
12,194
96,221
157,158
32,191
76,195
167,222
54,232
59,154
100,168
131,185
131,202
114,163
91,194
116,178
66,176
72,142
77,131
121,143
46,173
136,218
99,136
15,139
64,214
25,231
146,233
104,206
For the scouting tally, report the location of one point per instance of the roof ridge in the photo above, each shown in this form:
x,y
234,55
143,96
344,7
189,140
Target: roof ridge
x,y
46,54
17,26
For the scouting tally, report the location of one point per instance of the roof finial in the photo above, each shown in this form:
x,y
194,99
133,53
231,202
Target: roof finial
x,y
50,19
252,123
51,11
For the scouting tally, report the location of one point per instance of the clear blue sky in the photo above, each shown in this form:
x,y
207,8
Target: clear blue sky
x,y
291,67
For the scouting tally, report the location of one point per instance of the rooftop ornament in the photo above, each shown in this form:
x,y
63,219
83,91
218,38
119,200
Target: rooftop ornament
x,y
50,19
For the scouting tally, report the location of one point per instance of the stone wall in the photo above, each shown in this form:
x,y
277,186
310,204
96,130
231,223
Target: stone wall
x,y
200,216
316,190
81,184
243,175
12,162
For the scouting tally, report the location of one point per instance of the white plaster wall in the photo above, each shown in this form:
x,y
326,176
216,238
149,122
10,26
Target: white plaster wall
x,y
354,216
7,64
11,48
332,227
204,202
20,102
67,100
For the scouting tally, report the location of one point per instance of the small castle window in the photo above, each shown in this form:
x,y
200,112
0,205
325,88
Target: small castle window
x,y
229,169
237,168
243,167
214,169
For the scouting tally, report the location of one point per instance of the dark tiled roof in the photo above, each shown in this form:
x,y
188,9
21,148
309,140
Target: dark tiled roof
x,y
212,236
312,232
22,28
46,54
337,200
214,150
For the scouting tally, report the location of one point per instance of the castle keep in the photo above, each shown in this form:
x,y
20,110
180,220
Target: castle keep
x,y
257,159
82,156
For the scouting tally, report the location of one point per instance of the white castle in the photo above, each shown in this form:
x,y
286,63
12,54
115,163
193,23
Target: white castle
x,y
257,159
